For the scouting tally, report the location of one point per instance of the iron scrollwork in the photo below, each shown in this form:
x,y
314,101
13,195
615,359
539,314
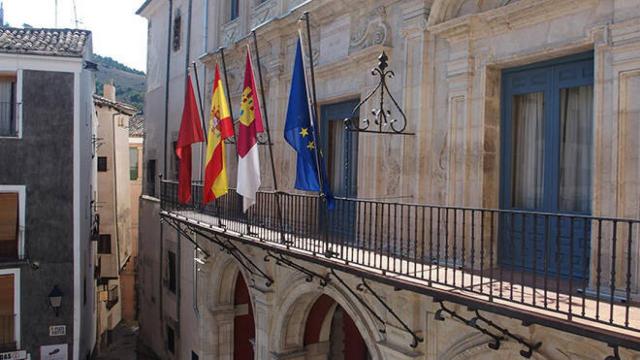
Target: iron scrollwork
x,y
383,122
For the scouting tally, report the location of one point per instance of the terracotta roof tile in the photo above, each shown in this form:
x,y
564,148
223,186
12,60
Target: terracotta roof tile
x,y
52,42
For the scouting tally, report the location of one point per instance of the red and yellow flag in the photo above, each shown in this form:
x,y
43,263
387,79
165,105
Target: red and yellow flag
x,y
220,128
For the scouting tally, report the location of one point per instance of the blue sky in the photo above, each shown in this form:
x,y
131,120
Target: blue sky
x,y
117,31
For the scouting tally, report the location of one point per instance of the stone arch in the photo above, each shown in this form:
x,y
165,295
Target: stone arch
x,y
219,309
444,10
475,347
291,317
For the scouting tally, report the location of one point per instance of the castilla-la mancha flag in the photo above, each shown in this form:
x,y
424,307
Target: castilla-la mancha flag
x,y
190,133
250,126
220,128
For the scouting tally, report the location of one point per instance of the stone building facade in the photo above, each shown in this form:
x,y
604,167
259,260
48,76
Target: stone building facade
x,y
114,241
47,185
477,80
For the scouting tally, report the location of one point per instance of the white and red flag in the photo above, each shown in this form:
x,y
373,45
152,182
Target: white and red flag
x,y
249,127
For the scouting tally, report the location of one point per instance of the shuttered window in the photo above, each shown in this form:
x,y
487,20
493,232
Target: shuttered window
x,y
8,225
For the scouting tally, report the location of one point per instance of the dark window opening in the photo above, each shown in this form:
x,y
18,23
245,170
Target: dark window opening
x,y
194,356
177,31
234,10
151,178
171,268
176,162
104,244
171,341
102,163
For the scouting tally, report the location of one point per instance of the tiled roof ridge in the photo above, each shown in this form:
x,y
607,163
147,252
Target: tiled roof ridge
x,y
44,41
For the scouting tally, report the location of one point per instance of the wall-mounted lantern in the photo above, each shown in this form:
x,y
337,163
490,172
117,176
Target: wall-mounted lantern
x,y
55,299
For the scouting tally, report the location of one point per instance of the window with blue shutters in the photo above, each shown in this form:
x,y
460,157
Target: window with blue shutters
x,y
547,147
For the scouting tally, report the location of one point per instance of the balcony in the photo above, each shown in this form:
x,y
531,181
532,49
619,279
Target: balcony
x,y
7,333
512,263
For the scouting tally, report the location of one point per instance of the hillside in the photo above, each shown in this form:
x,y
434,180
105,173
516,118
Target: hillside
x,y
130,83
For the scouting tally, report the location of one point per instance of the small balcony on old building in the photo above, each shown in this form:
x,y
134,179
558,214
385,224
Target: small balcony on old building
x,y
572,272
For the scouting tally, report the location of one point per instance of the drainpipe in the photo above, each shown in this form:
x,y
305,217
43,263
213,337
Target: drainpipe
x,y
179,244
164,165
115,190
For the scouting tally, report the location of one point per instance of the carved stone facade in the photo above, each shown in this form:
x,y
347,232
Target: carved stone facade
x,y
448,56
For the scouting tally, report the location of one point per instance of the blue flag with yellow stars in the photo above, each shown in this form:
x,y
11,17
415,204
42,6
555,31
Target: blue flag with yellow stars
x,y
300,134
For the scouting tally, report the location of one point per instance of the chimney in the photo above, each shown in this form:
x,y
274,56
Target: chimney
x,y
109,91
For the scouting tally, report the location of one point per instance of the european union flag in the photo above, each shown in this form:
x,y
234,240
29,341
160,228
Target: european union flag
x,y
300,133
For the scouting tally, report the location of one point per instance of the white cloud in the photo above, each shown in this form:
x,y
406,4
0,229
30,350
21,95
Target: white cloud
x,y
117,31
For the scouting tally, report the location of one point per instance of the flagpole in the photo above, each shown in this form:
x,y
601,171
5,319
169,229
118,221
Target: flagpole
x,y
226,82
266,122
204,128
316,134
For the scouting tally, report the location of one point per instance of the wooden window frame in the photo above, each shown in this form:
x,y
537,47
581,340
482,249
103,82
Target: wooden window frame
x,y
22,212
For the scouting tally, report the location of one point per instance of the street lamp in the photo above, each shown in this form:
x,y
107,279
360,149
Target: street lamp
x,y
55,299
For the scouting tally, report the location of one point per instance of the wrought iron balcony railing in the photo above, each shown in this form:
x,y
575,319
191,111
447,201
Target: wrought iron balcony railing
x,y
578,268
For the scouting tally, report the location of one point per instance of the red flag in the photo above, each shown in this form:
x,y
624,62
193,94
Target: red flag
x,y
190,133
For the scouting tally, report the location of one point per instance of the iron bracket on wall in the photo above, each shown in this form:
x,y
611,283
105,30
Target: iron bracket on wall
x,y
176,225
241,257
383,122
363,286
383,328
281,260
524,353
495,345
616,353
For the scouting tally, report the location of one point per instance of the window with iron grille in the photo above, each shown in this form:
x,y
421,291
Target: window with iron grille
x,y
104,244
8,113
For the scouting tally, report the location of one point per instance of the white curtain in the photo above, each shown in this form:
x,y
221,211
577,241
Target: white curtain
x,y
576,143
528,150
335,164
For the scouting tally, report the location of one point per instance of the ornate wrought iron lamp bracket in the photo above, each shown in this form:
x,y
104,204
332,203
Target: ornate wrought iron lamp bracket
x,y
234,251
383,122
383,328
495,345
281,260
363,286
524,353
616,353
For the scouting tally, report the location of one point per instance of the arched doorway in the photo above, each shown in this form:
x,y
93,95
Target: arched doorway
x,y
244,330
330,331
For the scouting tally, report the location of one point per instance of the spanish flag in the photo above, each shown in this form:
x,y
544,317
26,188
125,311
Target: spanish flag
x,y
220,128
248,129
